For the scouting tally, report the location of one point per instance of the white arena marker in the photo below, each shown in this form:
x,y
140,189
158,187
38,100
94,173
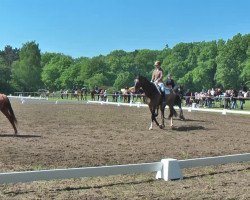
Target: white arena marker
x,y
224,112
170,170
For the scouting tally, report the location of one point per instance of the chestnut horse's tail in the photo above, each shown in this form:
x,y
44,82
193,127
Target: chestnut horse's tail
x,y
11,112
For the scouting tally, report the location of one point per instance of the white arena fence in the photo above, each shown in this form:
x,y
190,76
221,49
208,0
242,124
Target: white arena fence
x,y
167,169
131,104
190,109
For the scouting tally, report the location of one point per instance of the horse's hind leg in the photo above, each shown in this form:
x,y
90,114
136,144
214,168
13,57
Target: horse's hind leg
x,y
151,125
11,120
172,112
152,119
162,118
171,122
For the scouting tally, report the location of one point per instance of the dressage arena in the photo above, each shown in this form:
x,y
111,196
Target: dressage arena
x,y
83,135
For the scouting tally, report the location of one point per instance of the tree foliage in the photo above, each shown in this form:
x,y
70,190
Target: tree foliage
x,y
26,72
196,66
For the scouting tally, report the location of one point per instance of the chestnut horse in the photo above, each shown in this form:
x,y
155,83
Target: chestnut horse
x,y
154,101
7,110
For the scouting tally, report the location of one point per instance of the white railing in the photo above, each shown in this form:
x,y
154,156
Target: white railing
x,y
167,169
189,109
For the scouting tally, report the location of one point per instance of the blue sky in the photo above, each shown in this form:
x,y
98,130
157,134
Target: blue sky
x,y
93,27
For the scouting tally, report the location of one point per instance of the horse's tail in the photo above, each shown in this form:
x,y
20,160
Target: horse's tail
x,y
12,115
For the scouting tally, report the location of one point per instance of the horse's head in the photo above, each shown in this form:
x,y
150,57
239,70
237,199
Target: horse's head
x,y
137,85
143,83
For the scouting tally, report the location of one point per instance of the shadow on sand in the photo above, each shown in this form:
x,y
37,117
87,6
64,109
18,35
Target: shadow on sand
x,y
20,136
191,120
188,128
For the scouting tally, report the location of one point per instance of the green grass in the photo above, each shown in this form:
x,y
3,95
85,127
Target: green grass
x,y
247,105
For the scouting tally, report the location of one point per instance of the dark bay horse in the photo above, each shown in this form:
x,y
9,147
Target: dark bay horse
x,y
154,101
7,110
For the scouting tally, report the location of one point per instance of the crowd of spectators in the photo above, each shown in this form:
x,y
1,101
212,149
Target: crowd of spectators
x,y
228,99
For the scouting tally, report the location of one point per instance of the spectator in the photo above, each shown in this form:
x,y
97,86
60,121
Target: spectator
x,y
188,96
233,99
209,99
241,99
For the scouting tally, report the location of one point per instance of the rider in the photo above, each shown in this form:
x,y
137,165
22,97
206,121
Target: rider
x,y
97,89
170,82
157,77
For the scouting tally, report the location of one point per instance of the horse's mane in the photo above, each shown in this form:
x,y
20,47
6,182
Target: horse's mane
x,y
148,87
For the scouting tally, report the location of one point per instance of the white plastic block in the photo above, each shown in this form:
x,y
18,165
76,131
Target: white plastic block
x,y
170,170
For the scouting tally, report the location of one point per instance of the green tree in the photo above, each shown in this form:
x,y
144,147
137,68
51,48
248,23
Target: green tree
x,y
52,74
229,63
245,72
26,73
144,62
7,57
4,77
124,79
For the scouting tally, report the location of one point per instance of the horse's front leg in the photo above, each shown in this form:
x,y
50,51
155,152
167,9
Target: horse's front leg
x,y
153,119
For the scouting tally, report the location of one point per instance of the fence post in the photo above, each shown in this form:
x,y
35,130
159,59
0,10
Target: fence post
x,y
170,170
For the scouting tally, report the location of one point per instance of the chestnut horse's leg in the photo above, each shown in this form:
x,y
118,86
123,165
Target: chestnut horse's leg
x,y
178,103
10,117
181,114
171,114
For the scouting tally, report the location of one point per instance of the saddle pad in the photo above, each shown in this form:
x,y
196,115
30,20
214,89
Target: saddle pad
x,y
167,91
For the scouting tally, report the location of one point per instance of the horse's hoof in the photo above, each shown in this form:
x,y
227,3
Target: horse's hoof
x,y
161,127
182,118
150,128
